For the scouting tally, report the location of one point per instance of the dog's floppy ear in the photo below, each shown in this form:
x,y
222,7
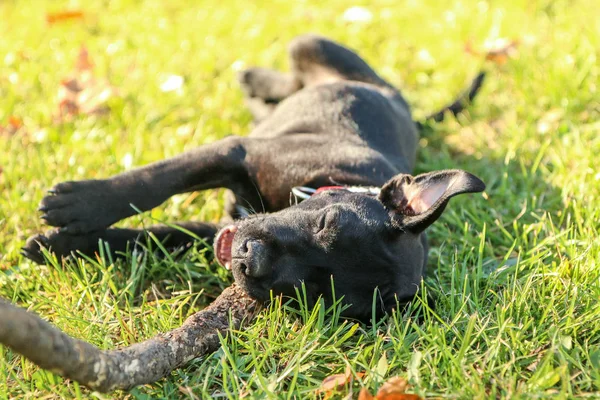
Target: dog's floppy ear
x,y
416,202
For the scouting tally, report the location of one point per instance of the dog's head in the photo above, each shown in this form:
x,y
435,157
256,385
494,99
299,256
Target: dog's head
x,y
365,242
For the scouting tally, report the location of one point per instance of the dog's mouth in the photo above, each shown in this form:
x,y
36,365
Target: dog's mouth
x,y
223,245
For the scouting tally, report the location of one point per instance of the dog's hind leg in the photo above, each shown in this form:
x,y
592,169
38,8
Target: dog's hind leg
x,y
267,84
264,88
119,240
316,60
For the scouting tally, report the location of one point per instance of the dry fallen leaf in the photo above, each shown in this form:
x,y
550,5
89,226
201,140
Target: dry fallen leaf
x,y
399,396
13,125
539,353
500,50
335,382
16,122
83,62
82,92
61,16
392,389
188,392
497,50
395,384
364,394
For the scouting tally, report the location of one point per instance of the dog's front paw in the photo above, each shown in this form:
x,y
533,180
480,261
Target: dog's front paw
x,y
60,243
33,248
82,206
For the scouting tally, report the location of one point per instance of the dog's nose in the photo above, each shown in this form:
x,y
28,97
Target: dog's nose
x,y
253,258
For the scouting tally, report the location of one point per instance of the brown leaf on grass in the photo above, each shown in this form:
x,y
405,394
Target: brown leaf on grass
x,y
500,50
364,394
392,389
61,16
82,92
399,396
335,382
83,62
469,49
12,126
538,353
497,50
188,392
395,384
15,122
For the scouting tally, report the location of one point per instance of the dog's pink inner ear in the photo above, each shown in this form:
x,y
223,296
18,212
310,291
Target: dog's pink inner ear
x,y
418,199
416,202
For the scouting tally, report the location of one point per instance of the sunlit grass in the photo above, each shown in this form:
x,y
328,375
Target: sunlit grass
x,y
515,273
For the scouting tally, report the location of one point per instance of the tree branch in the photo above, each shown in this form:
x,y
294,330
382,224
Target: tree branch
x,y
146,362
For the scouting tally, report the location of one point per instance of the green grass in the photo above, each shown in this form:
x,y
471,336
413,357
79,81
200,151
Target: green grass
x,y
516,273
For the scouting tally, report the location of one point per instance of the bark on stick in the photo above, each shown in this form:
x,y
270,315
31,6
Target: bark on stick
x,y
146,362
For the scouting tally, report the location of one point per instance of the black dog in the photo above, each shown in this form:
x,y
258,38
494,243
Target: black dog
x,y
332,120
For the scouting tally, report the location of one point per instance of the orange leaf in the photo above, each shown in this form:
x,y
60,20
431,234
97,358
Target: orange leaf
x,y
335,382
394,385
83,60
61,16
364,394
15,122
399,396
81,92
497,51
469,49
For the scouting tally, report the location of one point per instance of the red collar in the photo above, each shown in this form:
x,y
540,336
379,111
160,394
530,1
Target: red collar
x,y
324,188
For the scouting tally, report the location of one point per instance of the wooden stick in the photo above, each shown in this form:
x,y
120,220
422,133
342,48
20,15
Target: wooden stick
x,y
146,362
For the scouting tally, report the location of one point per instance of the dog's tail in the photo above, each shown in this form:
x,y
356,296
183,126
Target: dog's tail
x,y
459,104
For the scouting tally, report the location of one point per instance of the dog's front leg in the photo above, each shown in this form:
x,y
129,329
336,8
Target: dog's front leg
x,y
119,240
84,206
